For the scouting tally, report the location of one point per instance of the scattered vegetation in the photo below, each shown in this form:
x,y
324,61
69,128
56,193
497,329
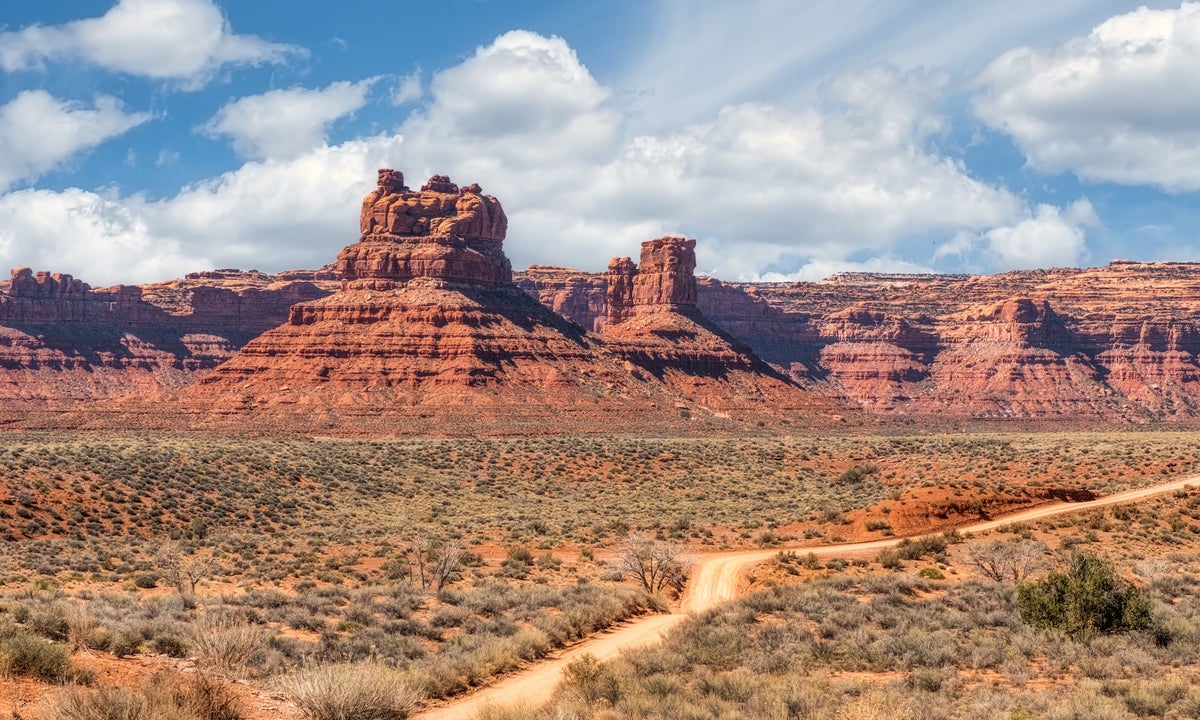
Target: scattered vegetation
x,y
430,566
657,565
893,646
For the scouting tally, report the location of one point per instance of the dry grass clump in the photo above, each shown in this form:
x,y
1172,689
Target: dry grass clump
x,y
232,646
359,691
165,696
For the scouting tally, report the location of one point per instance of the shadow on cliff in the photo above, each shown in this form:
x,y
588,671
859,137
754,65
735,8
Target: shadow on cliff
x,y
515,306
696,355
86,345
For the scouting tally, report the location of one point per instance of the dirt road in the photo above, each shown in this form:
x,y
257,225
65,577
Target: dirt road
x,y
713,581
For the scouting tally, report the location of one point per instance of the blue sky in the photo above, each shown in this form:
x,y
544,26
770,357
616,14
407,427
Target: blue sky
x,y
143,139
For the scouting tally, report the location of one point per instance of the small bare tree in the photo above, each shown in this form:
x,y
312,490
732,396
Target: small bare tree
x,y
445,560
1001,561
433,562
185,570
1152,569
656,564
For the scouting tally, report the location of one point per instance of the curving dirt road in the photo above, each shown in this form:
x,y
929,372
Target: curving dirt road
x,y
714,580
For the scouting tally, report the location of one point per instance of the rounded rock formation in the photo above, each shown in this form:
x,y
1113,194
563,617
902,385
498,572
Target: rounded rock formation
x,y
442,232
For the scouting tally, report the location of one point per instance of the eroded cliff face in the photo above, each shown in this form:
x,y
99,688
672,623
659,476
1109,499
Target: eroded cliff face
x,y
442,231
62,340
1115,343
420,325
652,323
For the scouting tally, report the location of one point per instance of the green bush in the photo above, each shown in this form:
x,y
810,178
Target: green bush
x,y
25,654
1087,599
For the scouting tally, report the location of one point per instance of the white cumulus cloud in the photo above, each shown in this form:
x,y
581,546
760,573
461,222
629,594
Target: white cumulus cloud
x,y
270,215
759,185
769,191
1119,104
408,89
183,40
283,124
39,132
1048,237
100,240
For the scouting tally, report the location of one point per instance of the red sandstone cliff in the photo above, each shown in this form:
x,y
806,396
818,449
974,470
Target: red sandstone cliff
x,y
422,316
1116,343
61,340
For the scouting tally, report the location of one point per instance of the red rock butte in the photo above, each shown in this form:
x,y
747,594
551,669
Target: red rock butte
x,y
429,331
652,323
441,232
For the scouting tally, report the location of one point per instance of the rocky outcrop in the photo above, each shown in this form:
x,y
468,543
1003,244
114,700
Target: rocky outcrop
x,y
441,232
1098,344
619,282
576,296
666,276
419,325
653,324
1115,343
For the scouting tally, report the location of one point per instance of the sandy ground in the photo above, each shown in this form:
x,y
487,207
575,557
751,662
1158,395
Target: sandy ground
x,y
715,580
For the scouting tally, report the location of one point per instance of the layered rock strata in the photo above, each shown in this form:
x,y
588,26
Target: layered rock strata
x,y
62,340
1114,343
428,330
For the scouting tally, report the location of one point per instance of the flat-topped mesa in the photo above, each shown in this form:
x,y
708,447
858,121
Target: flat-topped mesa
x,y
441,232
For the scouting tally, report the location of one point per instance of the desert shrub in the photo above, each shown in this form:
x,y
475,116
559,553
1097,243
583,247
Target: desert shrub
x,y
25,654
164,697
590,680
125,642
857,474
171,645
1015,560
1088,598
49,621
85,632
107,703
231,646
917,548
889,559
363,691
